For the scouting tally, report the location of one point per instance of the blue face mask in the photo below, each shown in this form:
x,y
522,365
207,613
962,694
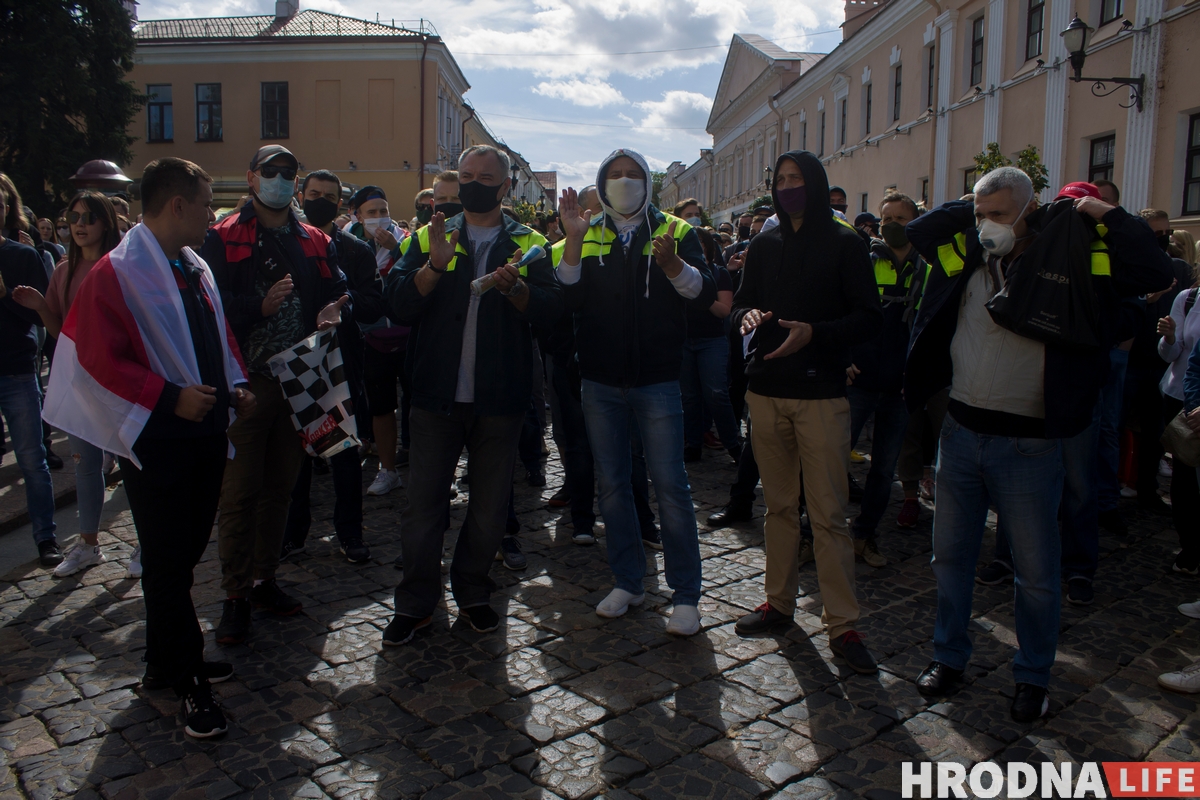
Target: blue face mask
x,y
275,192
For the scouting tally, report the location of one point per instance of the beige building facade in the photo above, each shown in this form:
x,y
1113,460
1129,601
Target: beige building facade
x,y
917,88
376,102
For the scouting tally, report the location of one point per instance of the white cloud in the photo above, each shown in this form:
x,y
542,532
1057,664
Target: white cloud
x,y
590,93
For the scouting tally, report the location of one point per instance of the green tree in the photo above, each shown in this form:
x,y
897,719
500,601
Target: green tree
x,y
1028,161
64,93
656,179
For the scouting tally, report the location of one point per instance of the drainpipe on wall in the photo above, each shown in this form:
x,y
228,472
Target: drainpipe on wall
x,y
462,139
421,167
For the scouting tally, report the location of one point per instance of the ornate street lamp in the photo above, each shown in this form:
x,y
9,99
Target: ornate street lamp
x,y
1076,38
512,189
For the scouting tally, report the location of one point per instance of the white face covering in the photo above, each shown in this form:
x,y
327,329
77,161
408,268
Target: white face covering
x,y
996,237
625,195
372,225
693,221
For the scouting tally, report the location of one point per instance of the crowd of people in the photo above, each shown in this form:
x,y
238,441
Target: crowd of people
x,y
653,337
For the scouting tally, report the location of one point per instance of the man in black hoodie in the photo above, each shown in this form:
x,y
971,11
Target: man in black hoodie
x,y
808,296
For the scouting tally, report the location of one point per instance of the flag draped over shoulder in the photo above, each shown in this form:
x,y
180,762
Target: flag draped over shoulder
x,y
125,336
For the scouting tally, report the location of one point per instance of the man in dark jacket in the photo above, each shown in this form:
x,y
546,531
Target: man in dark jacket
x,y
1013,400
877,374
470,358
279,283
321,197
629,279
808,296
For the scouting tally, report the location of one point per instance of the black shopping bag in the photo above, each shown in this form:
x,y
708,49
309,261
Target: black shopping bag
x,y
1048,294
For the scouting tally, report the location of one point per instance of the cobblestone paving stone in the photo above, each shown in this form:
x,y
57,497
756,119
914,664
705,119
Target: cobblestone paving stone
x,y
558,703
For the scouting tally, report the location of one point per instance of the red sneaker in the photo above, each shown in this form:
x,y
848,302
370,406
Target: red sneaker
x,y
909,512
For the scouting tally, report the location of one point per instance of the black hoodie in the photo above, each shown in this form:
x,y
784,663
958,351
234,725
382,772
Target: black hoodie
x,y
820,274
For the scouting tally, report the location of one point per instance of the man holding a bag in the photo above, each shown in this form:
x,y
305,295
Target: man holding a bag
x,y
1013,398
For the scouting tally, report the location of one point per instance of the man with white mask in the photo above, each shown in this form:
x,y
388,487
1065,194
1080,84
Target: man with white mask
x,y
628,279
279,282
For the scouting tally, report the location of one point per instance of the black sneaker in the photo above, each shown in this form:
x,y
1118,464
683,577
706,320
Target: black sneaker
x,y
763,619
856,490
994,574
584,537
53,460
234,626
1113,522
510,552
482,618
1080,592
651,538
399,562
1029,703
289,549
851,648
49,553
734,512
269,596
402,629
356,552
535,477
938,679
214,671
203,715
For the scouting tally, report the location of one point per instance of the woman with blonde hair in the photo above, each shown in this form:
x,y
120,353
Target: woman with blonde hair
x,y
1186,242
94,232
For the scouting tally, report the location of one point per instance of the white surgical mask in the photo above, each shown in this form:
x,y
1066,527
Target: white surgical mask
x,y
372,225
275,192
996,237
625,195
693,221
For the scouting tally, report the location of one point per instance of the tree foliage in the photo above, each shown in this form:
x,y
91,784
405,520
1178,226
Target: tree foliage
x,y
1028,161
64,93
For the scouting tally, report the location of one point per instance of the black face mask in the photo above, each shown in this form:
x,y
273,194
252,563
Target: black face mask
x,y
743,232
320,212
894,234
424,214
1164,240
448,209
478,198
839,207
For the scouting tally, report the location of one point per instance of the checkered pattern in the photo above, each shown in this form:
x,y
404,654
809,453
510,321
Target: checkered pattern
x,y
313,380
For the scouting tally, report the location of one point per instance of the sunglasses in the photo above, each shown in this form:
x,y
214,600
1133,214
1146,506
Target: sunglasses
x,y
270,171
86,218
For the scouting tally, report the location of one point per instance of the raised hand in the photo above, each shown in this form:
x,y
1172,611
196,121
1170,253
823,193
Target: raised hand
x,y
753,319
276,295
331,315
574,219
664,253
441,250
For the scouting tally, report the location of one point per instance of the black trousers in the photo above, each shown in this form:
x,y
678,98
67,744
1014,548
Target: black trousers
x,y
173,498
1144,402
347,502
1185,499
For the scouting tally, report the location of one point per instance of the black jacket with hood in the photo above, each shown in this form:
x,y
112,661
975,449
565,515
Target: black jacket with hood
x,y
880,360
820,274
630,322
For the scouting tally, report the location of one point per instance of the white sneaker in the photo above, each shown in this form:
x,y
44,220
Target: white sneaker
x,y
135,563
1165,468
1190,609
1186,680
685,621
1128,491
81,556
617,603
384,482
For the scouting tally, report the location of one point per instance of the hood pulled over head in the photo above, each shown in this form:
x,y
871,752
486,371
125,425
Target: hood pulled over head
x,y
816,184
613,205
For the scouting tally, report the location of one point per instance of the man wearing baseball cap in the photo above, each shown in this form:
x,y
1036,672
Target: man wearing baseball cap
x,y
279,282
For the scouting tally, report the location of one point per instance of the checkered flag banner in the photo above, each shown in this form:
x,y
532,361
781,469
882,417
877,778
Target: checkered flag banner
x,y
314,382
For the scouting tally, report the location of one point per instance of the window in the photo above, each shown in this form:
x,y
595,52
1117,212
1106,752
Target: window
x,y
1191,175
821,151
863,207
977,51
804,135
1111,10
275,110
1034,22
1101,159
866,109
842,129
925,192
208,112
741,178
930,71
160,117
969,177
896,94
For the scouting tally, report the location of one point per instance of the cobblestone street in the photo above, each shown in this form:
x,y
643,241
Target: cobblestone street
x,y
560,703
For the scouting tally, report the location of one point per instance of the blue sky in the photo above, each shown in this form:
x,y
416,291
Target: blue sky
x,y
573,97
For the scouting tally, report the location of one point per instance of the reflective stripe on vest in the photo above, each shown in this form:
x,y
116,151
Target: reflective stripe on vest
x,y
952,255
1101,262
524,242
886,275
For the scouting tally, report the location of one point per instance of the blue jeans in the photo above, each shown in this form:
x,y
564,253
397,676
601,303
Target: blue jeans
x,y
640,480
21,404
1024,478
658,411
89,483
1112,407
891,423
704,384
